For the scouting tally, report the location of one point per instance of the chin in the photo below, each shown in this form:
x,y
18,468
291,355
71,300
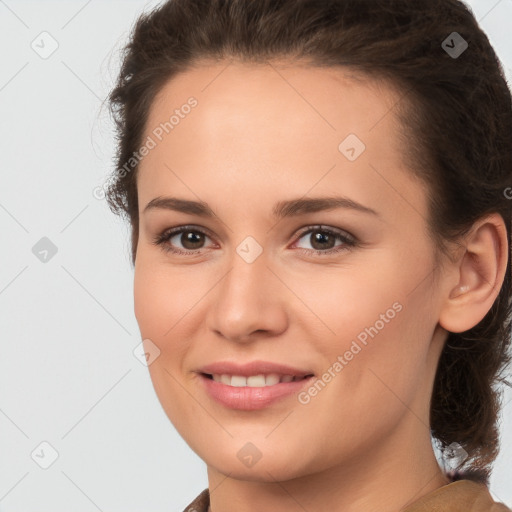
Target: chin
x,y
271,466
260,472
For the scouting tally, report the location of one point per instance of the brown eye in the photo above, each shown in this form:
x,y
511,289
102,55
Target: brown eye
x,y
183,240
323,240
190,239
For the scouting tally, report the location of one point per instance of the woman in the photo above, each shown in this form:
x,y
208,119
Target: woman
x,y
251,134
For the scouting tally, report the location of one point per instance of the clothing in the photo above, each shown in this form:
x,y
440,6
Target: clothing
x,y
458,496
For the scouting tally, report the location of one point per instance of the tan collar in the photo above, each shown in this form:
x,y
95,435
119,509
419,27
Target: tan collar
x,y
459,496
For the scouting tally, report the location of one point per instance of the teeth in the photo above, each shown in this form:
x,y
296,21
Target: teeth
x,y
238,381
271,379
253,381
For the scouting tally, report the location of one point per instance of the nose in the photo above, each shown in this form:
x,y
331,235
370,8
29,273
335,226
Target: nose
x,y
248,302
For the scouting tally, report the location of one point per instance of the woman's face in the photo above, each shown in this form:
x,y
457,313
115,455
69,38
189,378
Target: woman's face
x,y
345,293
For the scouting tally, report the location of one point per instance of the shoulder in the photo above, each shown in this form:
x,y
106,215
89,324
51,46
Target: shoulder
x,y
201,503
458,496
461,495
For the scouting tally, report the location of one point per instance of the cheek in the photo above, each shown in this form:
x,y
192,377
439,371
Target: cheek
x,y
352,304
162,298
158,309
161,310
375,383
377,331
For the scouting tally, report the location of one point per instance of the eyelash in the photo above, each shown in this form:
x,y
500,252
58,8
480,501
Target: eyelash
x,y
349,241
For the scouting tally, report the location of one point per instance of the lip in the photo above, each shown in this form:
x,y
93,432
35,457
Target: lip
x,y
248,398
251,398
252,368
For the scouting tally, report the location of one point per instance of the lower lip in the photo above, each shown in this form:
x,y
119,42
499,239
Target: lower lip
x,y
250,399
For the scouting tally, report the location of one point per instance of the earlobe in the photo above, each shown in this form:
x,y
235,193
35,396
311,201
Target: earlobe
x,y
479,273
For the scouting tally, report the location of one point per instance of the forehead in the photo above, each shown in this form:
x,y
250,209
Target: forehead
x,y
274,124
274,94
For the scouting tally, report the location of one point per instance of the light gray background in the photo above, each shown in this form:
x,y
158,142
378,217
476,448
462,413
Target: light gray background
x,y
68,375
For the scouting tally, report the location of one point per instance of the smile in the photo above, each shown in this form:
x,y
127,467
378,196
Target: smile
x,y
248,393
253,381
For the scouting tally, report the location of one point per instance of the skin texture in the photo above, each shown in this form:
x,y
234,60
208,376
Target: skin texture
x,y
262,134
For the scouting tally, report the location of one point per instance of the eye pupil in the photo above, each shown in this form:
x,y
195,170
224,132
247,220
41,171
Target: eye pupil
x,y
320,236
191,237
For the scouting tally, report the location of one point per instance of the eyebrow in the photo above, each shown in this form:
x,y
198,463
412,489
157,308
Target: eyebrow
x,y
282,209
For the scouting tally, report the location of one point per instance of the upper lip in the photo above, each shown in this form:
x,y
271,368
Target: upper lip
x,y
252,368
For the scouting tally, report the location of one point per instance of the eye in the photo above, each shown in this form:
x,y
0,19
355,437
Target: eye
x,y
322,239
192,240
190,237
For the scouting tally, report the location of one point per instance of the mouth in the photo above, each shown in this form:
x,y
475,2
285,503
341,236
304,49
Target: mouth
x,y
255,381
252,392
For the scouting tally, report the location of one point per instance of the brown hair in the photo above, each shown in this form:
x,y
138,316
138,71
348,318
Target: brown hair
x,y
457,127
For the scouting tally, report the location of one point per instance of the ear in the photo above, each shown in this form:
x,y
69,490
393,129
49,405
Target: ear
x,y
476,276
